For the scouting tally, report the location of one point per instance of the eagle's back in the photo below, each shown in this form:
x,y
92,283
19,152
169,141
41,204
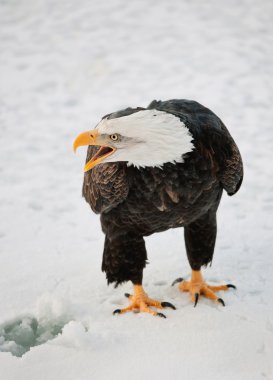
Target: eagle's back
x,y
211,137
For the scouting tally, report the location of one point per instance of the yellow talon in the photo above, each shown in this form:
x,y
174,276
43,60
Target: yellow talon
x,y
197,286
141,302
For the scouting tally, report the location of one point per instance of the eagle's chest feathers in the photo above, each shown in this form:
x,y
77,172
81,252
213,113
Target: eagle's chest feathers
x,y
151,138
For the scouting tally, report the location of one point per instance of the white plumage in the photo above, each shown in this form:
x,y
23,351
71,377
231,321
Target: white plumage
x,y
148,138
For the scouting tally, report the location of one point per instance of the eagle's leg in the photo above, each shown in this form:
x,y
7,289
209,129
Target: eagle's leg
x,y
200,239
141,302
197,286
124,259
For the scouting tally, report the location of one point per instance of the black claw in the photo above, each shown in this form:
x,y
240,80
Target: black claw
x,y
127,295
161,315
168,304
231,286
117,311
180,279
221,301
196,298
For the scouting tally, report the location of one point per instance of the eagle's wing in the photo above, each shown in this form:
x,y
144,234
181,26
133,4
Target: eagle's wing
x,y
211,138
105,186
232,174
217,141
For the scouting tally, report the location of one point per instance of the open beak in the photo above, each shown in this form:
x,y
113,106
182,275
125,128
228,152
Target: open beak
x,y
93,138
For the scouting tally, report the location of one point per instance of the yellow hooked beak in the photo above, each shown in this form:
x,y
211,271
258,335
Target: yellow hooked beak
x,y
94,138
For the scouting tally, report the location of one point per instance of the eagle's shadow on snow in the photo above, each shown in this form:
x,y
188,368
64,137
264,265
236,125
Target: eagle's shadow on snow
x,y
18,335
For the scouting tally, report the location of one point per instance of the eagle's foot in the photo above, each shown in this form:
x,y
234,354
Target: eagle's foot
x,y
141,302
197,286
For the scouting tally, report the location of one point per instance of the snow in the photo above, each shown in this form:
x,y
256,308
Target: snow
x,y
64,65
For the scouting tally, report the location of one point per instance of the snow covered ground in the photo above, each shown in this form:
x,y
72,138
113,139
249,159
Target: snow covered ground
x,y
63,65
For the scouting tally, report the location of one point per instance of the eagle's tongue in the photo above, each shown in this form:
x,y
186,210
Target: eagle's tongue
x,y
102,152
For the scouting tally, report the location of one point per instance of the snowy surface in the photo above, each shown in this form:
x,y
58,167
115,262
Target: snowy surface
x,y
63,65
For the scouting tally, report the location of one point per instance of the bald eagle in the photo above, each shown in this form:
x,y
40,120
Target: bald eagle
x,y
155,168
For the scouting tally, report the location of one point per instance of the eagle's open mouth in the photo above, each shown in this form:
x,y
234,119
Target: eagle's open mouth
x,y
101,154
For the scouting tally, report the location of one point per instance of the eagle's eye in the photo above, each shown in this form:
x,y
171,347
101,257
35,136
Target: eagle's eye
x,y
114,137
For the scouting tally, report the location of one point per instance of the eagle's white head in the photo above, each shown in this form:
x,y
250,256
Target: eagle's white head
x,y
143,138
